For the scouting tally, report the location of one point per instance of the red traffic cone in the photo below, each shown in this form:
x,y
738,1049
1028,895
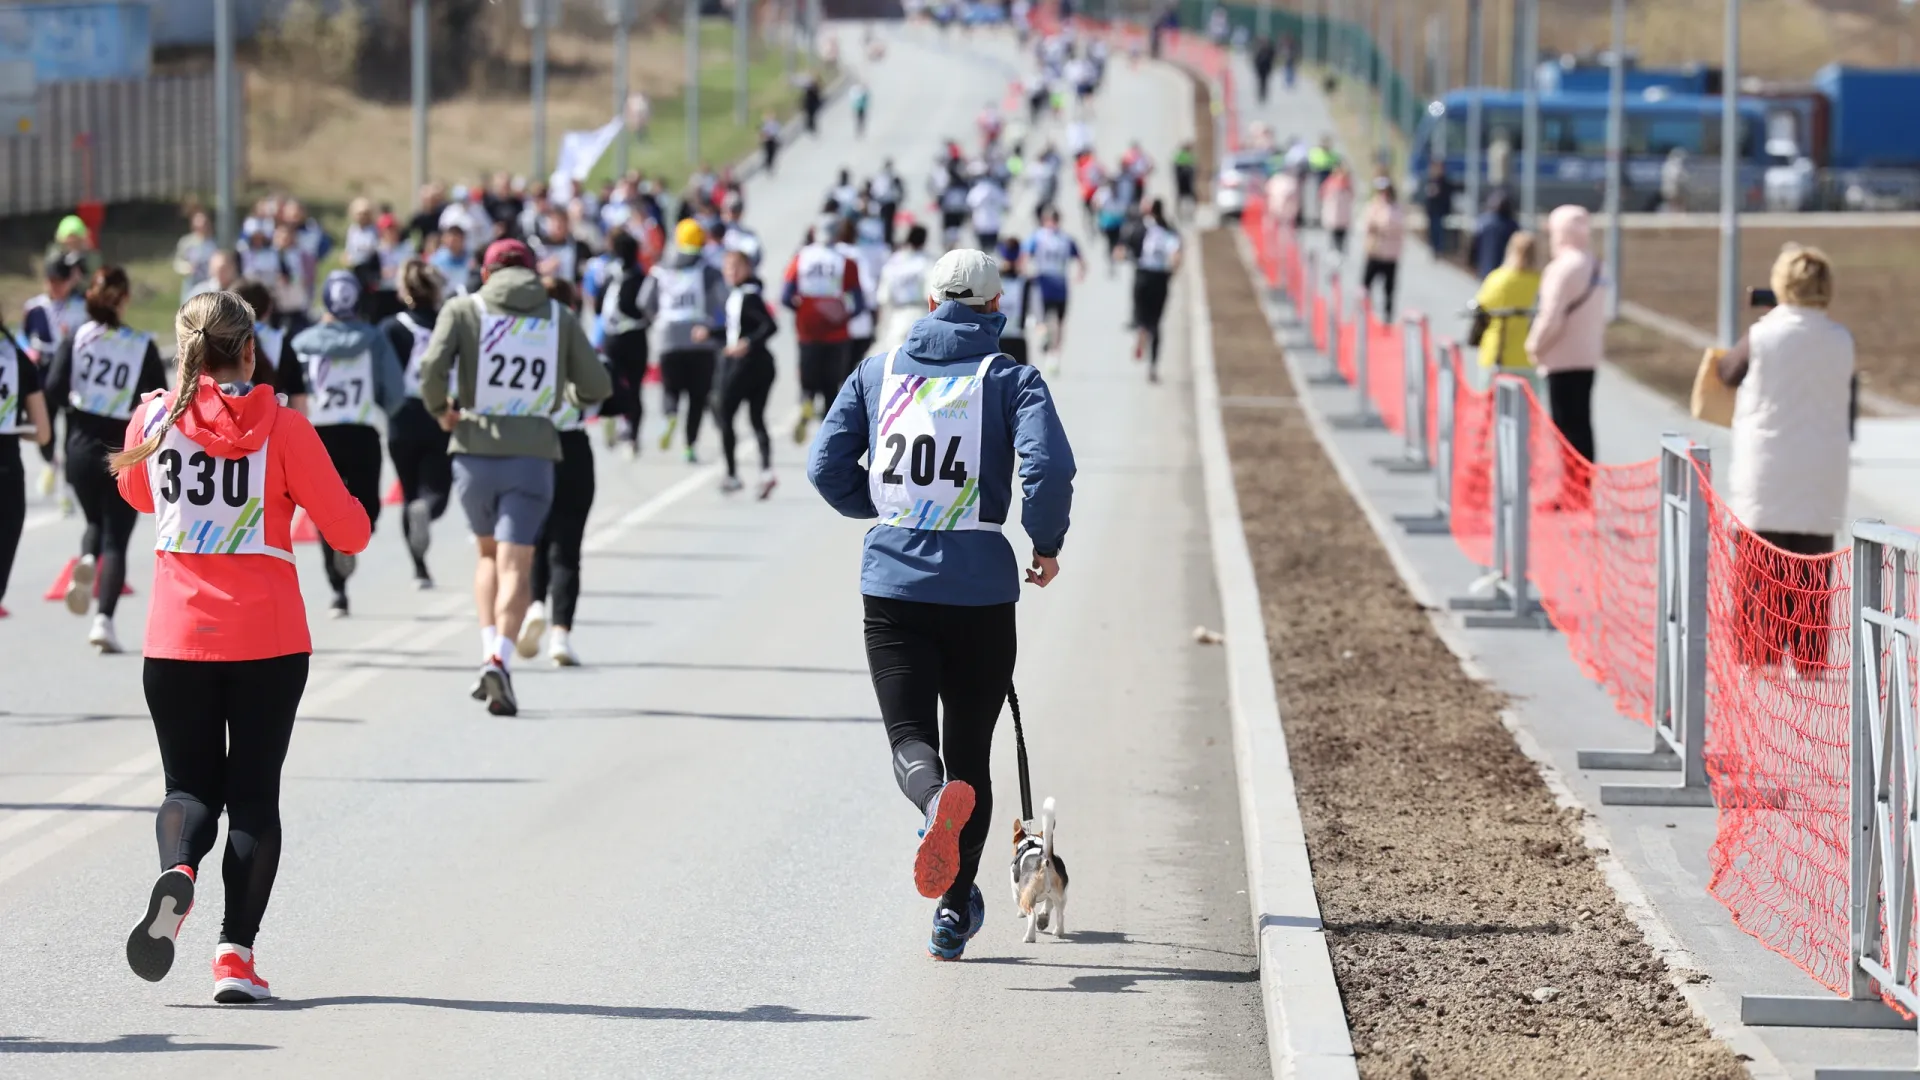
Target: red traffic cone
x,y
303,530
58,590
393,497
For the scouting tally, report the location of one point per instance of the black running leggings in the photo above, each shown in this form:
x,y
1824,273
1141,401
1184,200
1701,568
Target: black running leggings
x,y
355,450
556,553
426,473
13,506
924,657
110,520
223,728
627,354
689,373
745,381
1149,305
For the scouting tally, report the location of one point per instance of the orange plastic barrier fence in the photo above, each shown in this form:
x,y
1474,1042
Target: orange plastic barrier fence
x,y
1779,642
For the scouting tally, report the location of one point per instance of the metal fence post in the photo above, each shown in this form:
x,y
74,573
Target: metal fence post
x,y
1364,417
1414,390
1440,522
1332,376
1511,604
1881,804
1680,644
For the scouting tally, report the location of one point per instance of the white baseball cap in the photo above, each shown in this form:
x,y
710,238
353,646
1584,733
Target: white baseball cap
x,y
966,275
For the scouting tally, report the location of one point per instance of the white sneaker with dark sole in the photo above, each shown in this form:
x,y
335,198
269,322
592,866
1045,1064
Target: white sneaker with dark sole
x,y
497,687
80,586
150,946
532,628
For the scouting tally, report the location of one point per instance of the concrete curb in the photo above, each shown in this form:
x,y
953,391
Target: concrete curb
x,y
1307,1035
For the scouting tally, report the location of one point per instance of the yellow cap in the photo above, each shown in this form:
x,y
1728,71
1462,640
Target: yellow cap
x,y
689,235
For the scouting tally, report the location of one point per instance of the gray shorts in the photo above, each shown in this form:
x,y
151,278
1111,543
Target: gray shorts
x,y
506,498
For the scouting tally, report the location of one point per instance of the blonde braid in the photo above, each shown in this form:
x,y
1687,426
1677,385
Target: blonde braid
x,y
213,322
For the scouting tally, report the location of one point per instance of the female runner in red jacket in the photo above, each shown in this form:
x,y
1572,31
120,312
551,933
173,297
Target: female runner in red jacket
x,y
221,464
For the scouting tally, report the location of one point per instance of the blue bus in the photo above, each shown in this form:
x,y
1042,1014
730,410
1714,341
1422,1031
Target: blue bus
x,y
1573,144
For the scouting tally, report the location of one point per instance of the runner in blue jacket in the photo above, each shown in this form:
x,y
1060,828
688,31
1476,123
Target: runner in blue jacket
x,y
942,418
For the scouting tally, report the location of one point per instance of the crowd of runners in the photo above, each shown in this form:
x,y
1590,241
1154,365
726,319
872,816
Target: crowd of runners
x,y
478,378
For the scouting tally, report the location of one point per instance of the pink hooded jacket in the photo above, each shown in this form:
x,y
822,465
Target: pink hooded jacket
x,y
1570,331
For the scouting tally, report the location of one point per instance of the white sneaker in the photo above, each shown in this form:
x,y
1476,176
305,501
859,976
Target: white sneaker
x,y
80,586
767,483
102,636
531,628
560,648
730,484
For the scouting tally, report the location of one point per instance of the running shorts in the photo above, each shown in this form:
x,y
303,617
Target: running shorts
x,y
506,498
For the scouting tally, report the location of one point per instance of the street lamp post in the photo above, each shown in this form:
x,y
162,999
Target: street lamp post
x,y
1730,181
1616,145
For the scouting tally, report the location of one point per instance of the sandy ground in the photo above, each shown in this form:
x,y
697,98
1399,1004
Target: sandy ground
x,y
1471,933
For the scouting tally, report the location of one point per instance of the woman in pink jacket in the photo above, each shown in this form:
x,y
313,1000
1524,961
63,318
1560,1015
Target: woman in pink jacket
x,y
221,464
1569,333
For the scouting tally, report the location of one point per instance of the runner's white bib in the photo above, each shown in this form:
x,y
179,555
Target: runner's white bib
x,y
683,294
206,505
820,271
13,419
339,388
923,469
106,366
519,363
1158,248
1051,253
416,358
1013,304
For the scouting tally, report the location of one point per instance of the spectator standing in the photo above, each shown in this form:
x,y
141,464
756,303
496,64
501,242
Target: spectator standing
x,y
1569,334
363,234
1436,200
1263,57
1503,307
1793,375
1492,232
1384,234
193,255
1336,206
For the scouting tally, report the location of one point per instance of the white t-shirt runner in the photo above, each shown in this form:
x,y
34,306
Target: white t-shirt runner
x,y
1158,248
923,472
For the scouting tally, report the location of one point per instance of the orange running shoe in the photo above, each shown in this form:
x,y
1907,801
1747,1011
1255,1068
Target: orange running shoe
x,y
938,861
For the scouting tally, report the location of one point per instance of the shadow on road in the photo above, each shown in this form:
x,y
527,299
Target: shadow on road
x,y
754,1014
125,1044
1123,979
618,713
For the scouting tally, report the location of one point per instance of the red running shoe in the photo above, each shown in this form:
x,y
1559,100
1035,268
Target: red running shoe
x,y
234,980
150,946
938,861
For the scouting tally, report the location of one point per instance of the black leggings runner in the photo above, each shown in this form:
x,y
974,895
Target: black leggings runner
x,y
1149,306
355,450
688,373
426,473
223,728
110,520
926,656
556,553
627,355
13,506
744,381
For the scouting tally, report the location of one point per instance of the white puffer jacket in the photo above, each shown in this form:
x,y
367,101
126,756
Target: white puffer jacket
x,y
1790,445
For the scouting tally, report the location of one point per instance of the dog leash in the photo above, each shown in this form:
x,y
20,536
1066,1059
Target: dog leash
x,y
1020,751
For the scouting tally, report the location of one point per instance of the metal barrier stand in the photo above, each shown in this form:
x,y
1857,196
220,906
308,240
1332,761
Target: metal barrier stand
x,y
1884,711
1680,644
1511,604
1413,380
1440,522
1364,417
1332,376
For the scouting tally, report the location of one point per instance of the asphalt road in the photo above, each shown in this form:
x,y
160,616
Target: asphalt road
x,y
688,857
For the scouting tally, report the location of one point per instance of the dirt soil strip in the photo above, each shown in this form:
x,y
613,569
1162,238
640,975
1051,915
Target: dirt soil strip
x,y
1471,932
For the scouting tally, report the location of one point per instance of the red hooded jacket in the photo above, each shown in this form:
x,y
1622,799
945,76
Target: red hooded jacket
x,y
243,607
